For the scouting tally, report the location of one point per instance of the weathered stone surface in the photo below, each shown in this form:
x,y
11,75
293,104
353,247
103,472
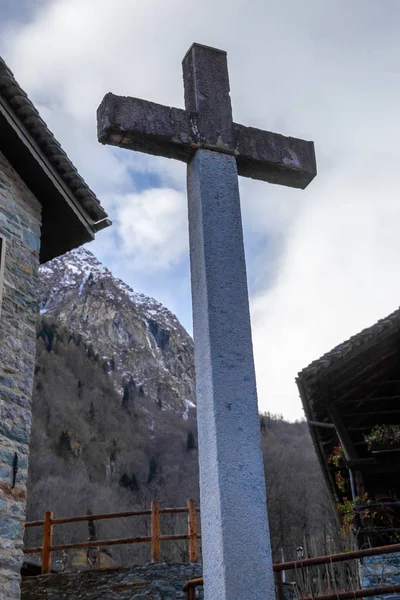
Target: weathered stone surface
x,y
234,522
206,82
273,157
20,219
376,571
148,127
206,123
153,581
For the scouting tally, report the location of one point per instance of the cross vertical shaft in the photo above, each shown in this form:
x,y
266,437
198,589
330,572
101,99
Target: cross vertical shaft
x,y
235,535
206,82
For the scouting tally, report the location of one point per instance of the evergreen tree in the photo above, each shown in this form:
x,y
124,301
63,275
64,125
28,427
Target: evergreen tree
x,y
190,442
130,483
153,468
124,481
129,393
64,444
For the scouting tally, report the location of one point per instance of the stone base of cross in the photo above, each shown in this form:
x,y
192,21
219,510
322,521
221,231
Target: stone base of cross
x,y
235,534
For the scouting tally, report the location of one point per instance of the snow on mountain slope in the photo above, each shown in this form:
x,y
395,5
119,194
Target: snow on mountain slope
x,y
149,352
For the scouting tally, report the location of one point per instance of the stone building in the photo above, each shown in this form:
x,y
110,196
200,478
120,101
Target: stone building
x,y
351,401
45,209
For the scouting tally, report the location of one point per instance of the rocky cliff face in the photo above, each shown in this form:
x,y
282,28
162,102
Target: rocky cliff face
x,y
149,355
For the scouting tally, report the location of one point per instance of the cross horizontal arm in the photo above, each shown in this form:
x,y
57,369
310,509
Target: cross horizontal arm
x,y
273,157
148,127
145,127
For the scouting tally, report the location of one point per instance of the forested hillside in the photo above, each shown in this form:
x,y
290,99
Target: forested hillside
x,y
114,420
92,451
95,449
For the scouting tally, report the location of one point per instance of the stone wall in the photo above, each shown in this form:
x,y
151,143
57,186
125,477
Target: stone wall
x,y
148,582
380,570
20,220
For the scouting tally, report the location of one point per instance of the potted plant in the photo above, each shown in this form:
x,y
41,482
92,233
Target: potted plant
x,y
346,512
383,437
342,483
336,458
348,509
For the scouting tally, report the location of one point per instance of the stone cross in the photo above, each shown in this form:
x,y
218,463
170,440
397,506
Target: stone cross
x,y
235,533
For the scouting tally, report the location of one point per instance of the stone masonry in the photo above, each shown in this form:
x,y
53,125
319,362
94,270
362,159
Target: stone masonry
x,y
20,222
149,582
377,571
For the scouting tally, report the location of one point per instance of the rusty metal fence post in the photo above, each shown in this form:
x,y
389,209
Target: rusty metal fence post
x,y
279,585
155,531
192,531
47,542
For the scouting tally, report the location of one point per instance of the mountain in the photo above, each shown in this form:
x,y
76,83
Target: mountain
x,y
147,350
114,421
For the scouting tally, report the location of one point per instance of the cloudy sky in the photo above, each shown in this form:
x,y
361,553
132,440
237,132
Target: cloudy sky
x,y
322,263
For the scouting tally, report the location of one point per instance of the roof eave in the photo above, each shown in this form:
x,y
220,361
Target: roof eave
x,y
315,439
71,213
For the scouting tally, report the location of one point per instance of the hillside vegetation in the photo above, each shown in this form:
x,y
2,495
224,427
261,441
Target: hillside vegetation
x,y
96,448
114,422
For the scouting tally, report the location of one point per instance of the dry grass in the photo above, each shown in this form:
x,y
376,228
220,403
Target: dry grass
x,y
325,579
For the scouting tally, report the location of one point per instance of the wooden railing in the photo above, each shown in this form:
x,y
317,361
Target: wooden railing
x,y
154,539
190,586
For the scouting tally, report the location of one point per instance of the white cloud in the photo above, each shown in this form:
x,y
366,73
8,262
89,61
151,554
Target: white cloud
x,y
153,228
323,262
338,274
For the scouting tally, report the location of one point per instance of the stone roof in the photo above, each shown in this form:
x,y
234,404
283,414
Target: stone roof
x,y
346,378
18,100
383,328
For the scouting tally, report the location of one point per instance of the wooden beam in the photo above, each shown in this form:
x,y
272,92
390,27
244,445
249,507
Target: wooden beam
x,y
174,537
343,435
371,413
377,373
371,399
172,511
122,541
32,550
361,428
95,517
361,462
119,515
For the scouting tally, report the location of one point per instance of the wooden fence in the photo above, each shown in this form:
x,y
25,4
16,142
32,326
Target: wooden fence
x,y
192,537
154,539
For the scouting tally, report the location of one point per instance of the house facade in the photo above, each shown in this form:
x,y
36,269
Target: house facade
x,y
351,399
46,209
